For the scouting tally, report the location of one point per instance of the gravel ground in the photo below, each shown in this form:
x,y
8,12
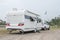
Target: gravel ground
x,y
43,35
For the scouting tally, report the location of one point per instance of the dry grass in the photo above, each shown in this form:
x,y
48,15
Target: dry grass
x,y
3,31
54,28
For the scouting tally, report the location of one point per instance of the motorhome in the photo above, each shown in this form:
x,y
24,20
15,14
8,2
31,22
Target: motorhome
x,y
22,20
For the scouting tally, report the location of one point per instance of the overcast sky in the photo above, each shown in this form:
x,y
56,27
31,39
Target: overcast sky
x,y
37,6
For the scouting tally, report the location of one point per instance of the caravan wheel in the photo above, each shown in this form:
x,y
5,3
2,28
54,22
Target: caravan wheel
x,y
48,28
22,32
38,31
45,28
35,31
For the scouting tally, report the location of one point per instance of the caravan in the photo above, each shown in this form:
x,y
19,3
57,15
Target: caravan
x,y
23,20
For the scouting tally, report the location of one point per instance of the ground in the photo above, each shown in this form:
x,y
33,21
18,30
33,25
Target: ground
x,y
43,35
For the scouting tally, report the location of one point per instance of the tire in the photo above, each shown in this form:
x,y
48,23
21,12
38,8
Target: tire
x,y
48,29
38,31
22,32
35,31
45,28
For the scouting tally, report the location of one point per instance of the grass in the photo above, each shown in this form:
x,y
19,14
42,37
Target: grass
x,y
3,31
54,27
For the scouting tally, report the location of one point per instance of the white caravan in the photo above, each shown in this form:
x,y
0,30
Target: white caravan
x,y
45,26
22,20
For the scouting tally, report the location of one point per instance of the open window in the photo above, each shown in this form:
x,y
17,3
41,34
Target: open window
x,y
27,17
31,19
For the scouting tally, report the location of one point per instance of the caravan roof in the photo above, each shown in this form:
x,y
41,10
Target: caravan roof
x,y
20,12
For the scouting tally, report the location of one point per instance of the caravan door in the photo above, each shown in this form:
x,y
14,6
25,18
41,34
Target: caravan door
x,y
38,24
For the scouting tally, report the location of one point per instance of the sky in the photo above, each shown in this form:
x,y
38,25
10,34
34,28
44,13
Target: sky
x,y
47,9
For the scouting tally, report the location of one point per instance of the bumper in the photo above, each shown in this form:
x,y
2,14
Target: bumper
x,y
14,28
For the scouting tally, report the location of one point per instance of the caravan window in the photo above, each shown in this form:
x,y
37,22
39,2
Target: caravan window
x,y
32,19
27,17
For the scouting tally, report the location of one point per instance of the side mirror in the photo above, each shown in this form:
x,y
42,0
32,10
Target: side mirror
x,y
39,20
